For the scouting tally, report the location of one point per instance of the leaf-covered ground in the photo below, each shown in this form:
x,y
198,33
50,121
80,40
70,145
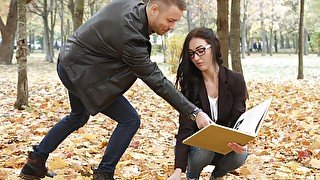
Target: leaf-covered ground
x,y
288,146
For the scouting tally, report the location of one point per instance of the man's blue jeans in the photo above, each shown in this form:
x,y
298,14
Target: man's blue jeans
x,y
200,158
120,110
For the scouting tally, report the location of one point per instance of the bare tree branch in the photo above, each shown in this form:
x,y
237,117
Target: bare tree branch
x,y
34,12
63,2
41,3
39,10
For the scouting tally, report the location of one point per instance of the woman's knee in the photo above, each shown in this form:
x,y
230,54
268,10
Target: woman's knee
x,y
197,160
230,162
200,158
239,159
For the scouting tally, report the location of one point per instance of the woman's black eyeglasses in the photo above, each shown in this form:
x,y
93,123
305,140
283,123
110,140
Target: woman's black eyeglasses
x,y
199,52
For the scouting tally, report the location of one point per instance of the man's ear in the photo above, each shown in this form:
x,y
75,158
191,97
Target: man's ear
x,y
154,9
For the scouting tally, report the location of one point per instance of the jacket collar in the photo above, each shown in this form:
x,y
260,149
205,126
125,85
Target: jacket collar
x,y
144,20
224,92
204,98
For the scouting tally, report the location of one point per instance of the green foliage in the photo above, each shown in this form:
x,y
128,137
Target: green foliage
x,y
174,48
314,40
156,49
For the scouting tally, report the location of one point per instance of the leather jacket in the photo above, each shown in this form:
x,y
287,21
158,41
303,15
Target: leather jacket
x,y
105,56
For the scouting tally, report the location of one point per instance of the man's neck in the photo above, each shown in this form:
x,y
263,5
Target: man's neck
x,y
149,18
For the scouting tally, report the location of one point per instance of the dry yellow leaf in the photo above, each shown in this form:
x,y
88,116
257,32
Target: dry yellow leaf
x,y
315,163
245,171
57,163
315,144
292,125
90,137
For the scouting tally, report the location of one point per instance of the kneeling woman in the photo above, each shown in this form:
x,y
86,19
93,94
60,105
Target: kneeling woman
x,y
220,92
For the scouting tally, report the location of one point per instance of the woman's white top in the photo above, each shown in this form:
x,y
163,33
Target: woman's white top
x,y
214,108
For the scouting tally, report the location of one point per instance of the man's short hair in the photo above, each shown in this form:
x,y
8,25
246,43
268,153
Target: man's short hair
x,y
181,4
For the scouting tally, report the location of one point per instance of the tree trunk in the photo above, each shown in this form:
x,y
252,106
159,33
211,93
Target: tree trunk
x,y
301,40
31,41
271,29
21,55
306,44
68,30
267,43
164,47
244,29
62,37
203,16
271,41
190,15
235,36
47,38
252,41
281,41
8,34
78,15
263,33
51,42
288,42
76,8
296,43
275,42
243,43
318,44
223,29
249,45
53,17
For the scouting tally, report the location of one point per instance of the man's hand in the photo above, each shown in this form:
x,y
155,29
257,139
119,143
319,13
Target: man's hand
x,y
176,175
237,147
203,120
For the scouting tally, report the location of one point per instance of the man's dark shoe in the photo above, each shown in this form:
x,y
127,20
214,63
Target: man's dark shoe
x,y
35,167
102,175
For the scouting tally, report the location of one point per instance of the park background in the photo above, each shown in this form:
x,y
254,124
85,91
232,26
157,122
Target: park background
x,y
284,66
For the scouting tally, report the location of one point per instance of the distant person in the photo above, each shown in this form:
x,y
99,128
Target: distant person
x,y
259,46
275,46
56,46
220,92
255,47
103,59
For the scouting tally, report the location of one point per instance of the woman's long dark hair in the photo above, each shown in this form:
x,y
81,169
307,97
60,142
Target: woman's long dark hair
x,y
188,75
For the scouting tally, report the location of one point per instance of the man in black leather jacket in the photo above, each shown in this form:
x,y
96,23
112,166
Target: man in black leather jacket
x,y
100,62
